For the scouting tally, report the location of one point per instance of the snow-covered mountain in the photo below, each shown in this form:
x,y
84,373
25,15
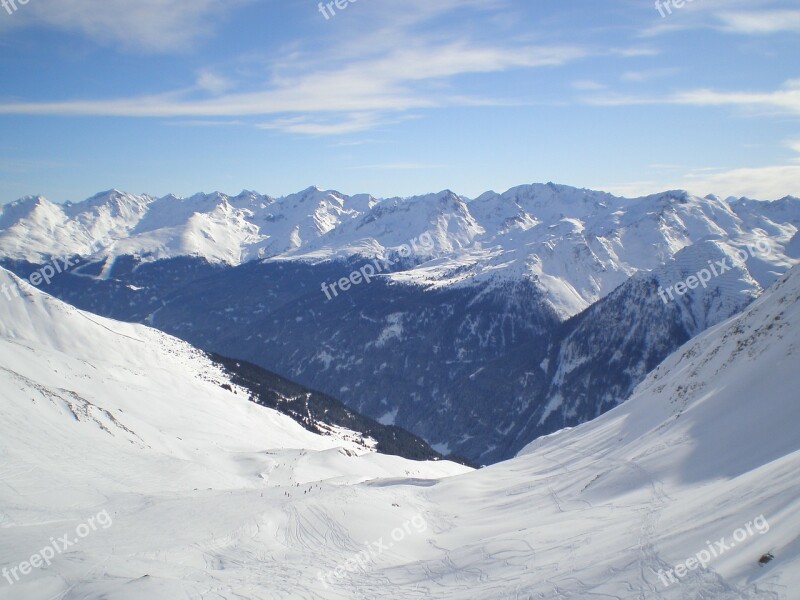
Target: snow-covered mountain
x,y
575,245
526,312
217,227
199,492
595,359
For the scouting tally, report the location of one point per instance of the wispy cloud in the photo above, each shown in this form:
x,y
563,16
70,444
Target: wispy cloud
x,y
208,123
647,75
761,22
376,67
355,143
588,85
336,125
785,100
359,94
147,25
763,183
399,166
742,17
212,82
635,51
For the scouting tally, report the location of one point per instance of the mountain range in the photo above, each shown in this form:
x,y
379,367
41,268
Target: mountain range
x,y
528,311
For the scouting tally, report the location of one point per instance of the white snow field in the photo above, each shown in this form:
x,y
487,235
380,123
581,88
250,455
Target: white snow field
x,y
200,487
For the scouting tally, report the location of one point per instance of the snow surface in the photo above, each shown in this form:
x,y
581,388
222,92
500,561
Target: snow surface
x,y
98,415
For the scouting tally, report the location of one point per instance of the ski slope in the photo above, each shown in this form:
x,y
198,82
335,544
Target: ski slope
x,y
98,414
202,486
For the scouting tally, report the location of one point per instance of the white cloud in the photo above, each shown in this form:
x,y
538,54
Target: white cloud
x,y
741,17
212,82
148,25
352,123
632,189
762,183
785,100
379,64
761,22
399,166
647,75
400,80
768,182
587,85
634,52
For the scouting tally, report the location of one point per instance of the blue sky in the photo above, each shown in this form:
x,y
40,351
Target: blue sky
x,y
398,97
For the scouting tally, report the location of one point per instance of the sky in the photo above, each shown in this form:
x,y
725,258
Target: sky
x,y
397,98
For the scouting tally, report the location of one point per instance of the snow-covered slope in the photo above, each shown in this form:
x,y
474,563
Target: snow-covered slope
x,y
135,384
93,409
705,455
710,435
